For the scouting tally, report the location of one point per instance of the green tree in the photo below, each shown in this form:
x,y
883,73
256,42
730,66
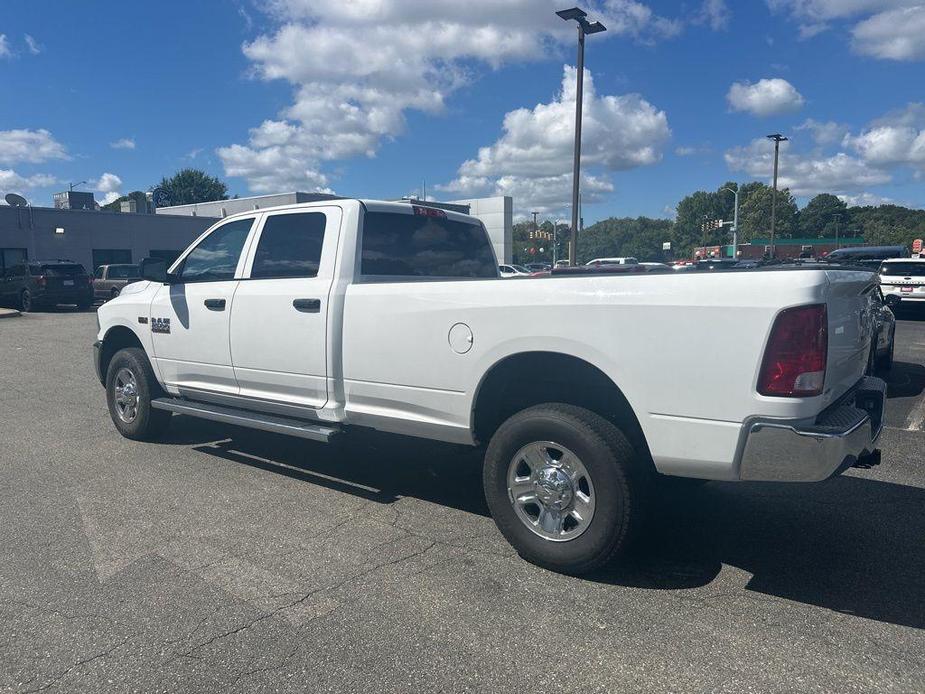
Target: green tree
x,y
885,224
821,216
755,213
189,186
700,207
640,237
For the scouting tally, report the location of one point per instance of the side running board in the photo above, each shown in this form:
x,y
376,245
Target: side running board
x,y
253,420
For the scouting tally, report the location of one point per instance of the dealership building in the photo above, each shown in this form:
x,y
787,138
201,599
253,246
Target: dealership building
x,y
74,230
92,237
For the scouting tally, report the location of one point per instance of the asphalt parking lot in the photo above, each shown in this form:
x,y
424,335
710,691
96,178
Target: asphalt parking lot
x,y
229,560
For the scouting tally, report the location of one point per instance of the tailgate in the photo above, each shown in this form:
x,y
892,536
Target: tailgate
x,y
849,300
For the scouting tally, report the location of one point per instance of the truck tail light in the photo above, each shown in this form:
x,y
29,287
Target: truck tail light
x,y
795,358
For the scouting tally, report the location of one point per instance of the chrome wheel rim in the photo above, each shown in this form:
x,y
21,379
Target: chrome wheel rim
x,y
551,491
126,395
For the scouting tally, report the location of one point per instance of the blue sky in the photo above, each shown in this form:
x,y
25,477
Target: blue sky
x,y
369,97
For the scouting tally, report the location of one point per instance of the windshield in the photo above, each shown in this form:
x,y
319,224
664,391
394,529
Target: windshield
x,y
122,272
63,270
903,269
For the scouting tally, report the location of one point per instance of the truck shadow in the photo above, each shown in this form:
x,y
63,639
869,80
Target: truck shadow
x,y
904,380
852,544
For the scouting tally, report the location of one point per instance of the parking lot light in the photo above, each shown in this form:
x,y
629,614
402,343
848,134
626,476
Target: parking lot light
x,y
584,27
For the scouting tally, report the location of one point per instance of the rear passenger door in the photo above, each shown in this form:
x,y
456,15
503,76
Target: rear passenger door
x,y
280,310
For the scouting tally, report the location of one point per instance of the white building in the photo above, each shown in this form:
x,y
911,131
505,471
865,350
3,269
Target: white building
x,y
497,214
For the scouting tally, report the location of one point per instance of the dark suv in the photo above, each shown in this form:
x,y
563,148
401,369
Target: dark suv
x,y
37,283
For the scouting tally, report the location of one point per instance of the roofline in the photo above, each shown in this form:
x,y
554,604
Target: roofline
x,y
249,197
365,202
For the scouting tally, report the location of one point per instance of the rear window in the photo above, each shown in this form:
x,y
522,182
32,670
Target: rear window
x,y
123,272
62,270
404,245
903,269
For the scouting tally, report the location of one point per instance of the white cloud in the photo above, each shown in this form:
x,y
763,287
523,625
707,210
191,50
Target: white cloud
x,y
5,50
715,13
532,160
886,29
896,138
123,143
824,133
108,186
12,181
33,146
689,151
805,174
358,67
766,97
34,46
865,199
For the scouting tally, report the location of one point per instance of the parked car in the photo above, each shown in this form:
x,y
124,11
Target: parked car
x,y
627,260
36,284
290,320
866,256
538,267
109,280
881,358
655,267
513,271
903,280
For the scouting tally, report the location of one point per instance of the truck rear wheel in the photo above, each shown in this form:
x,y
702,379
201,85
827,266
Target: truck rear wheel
x,y
130,387
564,486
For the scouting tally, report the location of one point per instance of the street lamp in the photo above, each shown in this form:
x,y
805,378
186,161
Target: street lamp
x,y
584,27
777,138
735,222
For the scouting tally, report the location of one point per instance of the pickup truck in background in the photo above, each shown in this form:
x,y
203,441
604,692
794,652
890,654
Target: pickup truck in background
x,y
317,318
110,280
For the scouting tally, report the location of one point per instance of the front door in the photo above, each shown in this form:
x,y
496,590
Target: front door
x,y
279,315
190,316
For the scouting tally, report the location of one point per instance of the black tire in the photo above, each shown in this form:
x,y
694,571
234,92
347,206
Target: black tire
x,y
26,304
84,306
621,485
147,424
114,293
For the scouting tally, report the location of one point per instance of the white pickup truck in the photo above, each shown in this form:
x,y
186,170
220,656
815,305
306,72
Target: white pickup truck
x,y
585,390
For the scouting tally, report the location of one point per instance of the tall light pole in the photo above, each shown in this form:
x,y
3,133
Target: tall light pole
x,y
777,138
837,220
735,222
584,27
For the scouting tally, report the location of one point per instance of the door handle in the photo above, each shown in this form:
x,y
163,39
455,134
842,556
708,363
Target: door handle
x,y
215,304
307,305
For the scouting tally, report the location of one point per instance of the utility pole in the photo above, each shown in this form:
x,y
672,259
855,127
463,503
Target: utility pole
x,y
777,138
584,27
735,221
536,228
837,220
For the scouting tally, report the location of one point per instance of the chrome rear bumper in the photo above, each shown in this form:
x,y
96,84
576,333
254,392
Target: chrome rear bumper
x,y
842,436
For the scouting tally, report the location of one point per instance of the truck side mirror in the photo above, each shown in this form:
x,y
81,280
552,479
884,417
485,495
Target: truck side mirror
x,y
153,269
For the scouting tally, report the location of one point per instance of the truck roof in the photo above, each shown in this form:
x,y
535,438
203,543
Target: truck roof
x,y
395,207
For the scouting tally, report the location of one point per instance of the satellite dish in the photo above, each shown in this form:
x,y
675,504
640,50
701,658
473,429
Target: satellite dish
x,y
15,200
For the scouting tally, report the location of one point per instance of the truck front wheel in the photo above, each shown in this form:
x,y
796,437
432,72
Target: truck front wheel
x,y
130,387
564,486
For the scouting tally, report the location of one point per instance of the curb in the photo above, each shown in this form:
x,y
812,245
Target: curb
x,y
8,313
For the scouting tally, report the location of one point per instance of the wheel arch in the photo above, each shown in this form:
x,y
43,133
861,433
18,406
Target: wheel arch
x,y
116,338
528,378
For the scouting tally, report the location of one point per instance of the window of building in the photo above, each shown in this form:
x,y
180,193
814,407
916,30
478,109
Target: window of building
x,y
216,256
10,257
404,245
289,246
110,256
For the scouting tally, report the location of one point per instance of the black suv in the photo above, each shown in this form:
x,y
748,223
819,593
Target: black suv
x,y
30,285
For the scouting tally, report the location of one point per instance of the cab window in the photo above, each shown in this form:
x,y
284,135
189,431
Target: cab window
x,y
289,246
216,257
